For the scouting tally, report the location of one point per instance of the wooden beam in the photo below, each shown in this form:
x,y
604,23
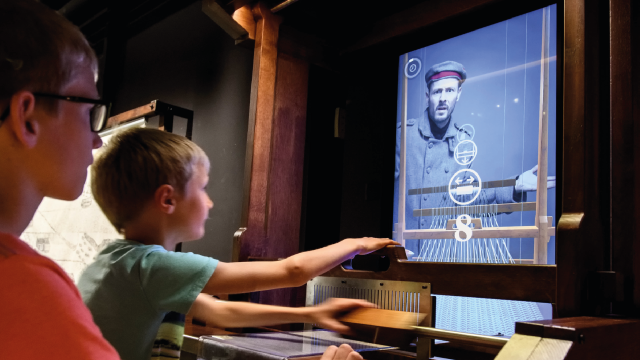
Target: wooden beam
x,y
257,158
391,319
475,209
244,17
275,154
494,281
230,23
625,129
541,221
402,181
581,244
485,233
141,111
570,287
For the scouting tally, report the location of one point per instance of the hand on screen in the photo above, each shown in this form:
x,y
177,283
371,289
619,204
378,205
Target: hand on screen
x,y
369,245
326,313
528,180
345,352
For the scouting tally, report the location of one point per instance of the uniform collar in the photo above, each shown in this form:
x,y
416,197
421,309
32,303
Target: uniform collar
x,y
425,127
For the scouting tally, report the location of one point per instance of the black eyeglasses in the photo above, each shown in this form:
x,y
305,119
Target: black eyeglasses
x,y
99,112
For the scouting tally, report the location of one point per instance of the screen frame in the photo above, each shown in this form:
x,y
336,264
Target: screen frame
x,y
518,231
496,281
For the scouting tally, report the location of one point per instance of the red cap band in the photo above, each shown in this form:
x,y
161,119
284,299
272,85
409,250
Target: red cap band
x,y
444,74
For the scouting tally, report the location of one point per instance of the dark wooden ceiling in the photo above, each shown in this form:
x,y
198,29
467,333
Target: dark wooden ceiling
x,y
336,23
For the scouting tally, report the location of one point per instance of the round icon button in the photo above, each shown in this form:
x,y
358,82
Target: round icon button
x,y
412,68
466,132
465,184
465,152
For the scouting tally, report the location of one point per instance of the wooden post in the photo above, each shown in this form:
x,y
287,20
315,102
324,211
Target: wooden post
x,y
625,152
540,245
270,223
256,169
580,239
402,191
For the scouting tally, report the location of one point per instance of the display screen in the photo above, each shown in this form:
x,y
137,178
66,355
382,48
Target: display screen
x,y
479,135
473,113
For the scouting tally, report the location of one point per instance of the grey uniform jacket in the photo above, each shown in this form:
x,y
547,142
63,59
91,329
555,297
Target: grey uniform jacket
x,y
430,163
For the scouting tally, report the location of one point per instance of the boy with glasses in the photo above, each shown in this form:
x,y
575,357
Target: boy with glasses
x,y
50,114
49,106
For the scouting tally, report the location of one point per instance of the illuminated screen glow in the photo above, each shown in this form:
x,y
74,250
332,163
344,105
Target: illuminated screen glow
x,y
472,149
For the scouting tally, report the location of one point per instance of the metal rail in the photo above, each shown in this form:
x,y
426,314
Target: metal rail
x,y
490,341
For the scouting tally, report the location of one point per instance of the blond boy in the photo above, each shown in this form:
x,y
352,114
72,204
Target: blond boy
x,y
48,108
151,185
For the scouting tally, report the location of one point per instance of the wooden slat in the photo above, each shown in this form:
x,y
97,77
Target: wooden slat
x,y
390,319
540,242
494,281
474,209
485,233
615,338
224,20
445,188
142,111
402,181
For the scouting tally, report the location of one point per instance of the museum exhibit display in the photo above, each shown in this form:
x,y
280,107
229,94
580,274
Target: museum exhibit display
x,y
474,177
495,140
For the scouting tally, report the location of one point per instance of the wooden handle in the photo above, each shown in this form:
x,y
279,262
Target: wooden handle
x,y
389,319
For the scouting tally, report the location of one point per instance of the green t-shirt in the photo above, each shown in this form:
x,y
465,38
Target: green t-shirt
x,y
131,286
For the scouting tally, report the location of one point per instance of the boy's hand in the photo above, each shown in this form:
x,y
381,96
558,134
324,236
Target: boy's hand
x,y
369,245
326,313
345,352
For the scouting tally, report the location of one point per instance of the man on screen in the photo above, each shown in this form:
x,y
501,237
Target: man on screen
x,y
431,142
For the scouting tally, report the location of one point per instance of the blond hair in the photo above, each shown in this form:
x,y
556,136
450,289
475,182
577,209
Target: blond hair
x,y
134,164
39,49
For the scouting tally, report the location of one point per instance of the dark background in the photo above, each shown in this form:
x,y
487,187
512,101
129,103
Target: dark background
x,y
187,60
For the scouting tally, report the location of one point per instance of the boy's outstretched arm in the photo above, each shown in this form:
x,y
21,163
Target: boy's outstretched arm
x,y
296,270
223,314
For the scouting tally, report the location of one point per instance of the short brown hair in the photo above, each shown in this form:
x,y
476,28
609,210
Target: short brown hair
x,y
134,164
39,49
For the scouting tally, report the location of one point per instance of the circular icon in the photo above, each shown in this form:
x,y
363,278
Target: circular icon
x,y
466,132
413,67
464,227
465,152
465,185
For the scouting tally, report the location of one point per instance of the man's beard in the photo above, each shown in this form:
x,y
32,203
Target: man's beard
x,y
446,120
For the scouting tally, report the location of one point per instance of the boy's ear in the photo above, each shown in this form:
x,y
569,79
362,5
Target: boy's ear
x,y
21,120
165,199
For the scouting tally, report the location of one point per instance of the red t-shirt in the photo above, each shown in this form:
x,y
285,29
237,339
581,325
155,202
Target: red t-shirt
x,y
42,315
